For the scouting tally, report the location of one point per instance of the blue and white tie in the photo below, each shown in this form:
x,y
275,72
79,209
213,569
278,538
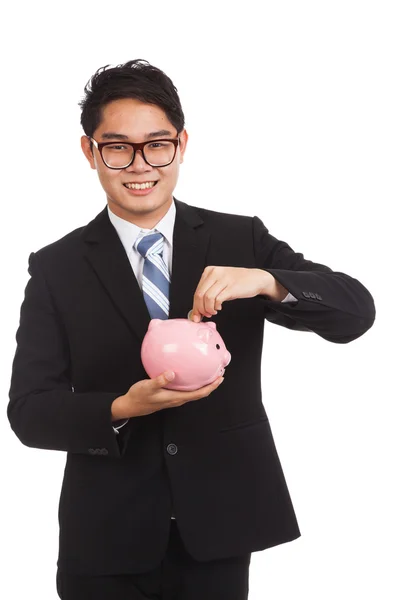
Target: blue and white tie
x,y
155,278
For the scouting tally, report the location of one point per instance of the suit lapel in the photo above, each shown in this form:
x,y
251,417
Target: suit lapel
x,y
107,256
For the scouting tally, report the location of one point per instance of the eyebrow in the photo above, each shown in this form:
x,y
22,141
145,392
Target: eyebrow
x,y
111,135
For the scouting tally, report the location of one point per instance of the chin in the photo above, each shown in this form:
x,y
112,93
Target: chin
x,y
135,205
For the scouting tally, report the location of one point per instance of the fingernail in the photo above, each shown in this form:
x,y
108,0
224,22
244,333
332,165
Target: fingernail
x,y
169,375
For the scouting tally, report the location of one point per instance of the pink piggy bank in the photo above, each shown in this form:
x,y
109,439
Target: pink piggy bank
x,y
194,351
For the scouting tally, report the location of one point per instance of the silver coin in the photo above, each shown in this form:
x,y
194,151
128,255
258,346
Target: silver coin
x,y
189,316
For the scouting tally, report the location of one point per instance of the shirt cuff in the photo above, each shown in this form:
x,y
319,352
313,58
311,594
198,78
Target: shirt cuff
x,y
119,426
289,298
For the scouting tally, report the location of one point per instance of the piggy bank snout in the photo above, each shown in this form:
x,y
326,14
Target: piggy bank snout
x,y
227,358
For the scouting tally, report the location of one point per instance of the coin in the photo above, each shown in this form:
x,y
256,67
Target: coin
x,y
189,316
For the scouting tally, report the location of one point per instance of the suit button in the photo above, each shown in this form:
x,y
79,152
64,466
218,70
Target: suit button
x,y
92,451
172,449
306,294
312,295
318,297
104,451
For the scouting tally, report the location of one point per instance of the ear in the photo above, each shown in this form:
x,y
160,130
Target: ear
x,y
154,323
85,145
183,143
211,324
204,333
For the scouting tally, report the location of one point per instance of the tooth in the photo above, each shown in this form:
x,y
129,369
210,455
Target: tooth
x,y
138,186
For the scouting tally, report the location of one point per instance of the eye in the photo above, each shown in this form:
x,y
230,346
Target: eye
x,y
217,346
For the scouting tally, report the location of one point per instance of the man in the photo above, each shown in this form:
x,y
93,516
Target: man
x,y
165,494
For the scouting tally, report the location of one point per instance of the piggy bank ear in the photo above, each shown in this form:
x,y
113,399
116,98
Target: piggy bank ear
x,y
204,333
211,324
154,323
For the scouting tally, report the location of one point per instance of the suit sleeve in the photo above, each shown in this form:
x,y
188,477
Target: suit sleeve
x,y
44,411
331,304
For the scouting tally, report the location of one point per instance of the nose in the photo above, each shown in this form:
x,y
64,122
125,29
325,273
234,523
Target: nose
x,y
227,358
139,164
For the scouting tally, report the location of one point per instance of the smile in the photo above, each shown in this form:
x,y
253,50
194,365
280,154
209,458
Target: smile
x,y
140,186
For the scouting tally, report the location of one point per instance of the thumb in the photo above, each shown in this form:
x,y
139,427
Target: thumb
x,y
194,316
164,378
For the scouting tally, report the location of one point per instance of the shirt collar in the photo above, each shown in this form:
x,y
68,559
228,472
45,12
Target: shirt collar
x,y
129,232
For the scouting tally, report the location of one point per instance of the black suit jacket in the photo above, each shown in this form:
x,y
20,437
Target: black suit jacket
x,y
82,323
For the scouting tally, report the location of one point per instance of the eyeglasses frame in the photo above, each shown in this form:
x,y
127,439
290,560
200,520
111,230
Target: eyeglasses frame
x,y
135,146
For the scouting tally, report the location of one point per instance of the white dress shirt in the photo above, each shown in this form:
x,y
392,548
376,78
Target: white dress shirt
x,y
128,233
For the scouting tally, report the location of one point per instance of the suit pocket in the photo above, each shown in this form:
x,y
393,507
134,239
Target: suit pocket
x,y
244,424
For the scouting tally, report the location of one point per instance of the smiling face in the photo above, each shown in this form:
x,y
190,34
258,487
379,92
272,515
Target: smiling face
x,y
138,122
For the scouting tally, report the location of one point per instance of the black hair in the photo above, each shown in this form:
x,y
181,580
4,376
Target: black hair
x,y
135,79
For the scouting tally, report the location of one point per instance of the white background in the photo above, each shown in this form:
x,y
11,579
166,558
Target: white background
x,y
292,110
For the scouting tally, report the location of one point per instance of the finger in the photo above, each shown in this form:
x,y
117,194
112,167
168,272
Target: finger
x,y
191,316
203,391
163,379
210,297
207,280
226,294
177,398
195,316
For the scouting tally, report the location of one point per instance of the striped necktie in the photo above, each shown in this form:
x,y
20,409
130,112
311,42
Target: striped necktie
x,y
155,278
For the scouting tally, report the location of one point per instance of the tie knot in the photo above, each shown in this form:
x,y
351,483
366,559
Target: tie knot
x,y
151,243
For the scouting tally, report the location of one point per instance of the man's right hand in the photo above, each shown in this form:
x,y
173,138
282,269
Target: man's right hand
x,y
149,396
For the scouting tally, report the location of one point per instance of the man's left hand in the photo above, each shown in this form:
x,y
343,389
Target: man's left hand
x,y
218,284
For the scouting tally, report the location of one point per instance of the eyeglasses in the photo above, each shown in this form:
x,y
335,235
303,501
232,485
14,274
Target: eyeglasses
x,y
120,155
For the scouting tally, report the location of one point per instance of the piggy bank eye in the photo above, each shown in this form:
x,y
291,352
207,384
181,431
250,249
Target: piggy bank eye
x,y
217,346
